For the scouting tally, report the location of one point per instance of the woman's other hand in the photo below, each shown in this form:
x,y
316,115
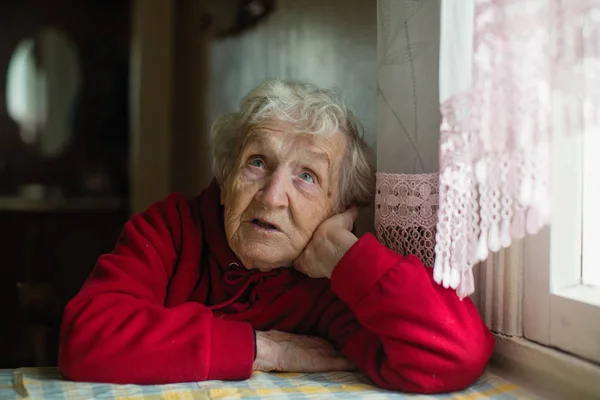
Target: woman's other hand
x,y
286,352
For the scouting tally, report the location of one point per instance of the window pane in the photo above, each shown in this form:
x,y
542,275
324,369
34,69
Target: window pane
x,y
591,210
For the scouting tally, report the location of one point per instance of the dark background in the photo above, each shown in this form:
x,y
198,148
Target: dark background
x,y
48,250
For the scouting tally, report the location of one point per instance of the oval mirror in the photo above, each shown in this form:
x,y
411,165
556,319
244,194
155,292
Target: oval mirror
x,y
42,84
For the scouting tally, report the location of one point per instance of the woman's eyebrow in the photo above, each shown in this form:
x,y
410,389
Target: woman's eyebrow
x,y
317,156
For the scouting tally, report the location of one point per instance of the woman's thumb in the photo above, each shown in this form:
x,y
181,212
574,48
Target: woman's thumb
x,y
349,216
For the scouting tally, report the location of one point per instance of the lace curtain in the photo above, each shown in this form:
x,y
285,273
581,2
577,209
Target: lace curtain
x,y
535,74
512,73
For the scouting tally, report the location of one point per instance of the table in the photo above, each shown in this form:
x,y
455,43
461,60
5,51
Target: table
x,y
46,383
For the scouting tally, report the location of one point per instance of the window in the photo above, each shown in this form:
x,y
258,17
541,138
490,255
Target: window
x,y
590,265
562,264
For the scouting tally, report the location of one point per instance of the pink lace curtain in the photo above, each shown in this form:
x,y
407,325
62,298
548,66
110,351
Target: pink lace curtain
x,y
535,74
406,213
512,74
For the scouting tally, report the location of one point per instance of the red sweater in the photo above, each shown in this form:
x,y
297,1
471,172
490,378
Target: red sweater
x,y
171,303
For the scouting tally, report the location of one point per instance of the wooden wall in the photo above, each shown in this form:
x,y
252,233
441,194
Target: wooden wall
x,y
169,132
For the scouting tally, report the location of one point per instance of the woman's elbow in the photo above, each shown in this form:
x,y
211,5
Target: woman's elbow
x,y
81,355
72,368
84,360
74,365
73,360
470,360
434,371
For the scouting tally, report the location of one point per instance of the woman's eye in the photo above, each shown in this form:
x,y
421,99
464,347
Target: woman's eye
x,y
257,162
306,176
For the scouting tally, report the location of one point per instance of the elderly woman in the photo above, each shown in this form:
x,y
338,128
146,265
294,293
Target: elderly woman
x,y
262,272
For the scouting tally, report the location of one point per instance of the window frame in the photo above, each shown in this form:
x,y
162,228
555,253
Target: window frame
x,y
558,310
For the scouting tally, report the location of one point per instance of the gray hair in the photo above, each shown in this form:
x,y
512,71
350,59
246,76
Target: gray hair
x,y
307,109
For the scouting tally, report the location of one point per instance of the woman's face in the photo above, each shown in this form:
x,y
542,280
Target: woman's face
x,y
281,188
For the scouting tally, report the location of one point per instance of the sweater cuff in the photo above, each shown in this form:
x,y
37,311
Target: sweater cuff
x,y
231,350
361,268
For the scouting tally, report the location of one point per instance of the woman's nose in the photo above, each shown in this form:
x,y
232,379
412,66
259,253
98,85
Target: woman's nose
x,y
275,192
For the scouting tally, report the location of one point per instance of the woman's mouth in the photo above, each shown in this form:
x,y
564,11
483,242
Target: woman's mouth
x,y
264,225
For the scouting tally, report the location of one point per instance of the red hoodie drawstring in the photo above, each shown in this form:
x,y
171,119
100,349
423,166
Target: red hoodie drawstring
x,y
237,274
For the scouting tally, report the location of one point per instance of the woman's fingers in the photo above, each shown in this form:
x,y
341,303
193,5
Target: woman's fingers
x,y
348,217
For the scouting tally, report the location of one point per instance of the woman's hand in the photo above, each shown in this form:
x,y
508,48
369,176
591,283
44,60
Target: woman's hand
x,y
286,352
332,239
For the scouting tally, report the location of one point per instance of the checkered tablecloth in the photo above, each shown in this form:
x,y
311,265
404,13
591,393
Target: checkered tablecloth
x,y
46,383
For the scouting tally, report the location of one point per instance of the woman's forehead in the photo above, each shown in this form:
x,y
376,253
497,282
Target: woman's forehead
x,y
279,138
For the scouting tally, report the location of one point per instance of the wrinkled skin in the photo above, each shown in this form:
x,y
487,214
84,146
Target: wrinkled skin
x,y
286,352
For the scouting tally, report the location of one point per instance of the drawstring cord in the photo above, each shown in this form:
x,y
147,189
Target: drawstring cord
x,y
237,274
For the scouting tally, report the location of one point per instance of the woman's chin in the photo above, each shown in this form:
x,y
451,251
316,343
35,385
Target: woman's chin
x,y
264,260
266,268
264,254
262,267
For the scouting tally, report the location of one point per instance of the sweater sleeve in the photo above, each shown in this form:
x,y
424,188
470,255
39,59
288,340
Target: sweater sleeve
x,y
117,328
402,329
